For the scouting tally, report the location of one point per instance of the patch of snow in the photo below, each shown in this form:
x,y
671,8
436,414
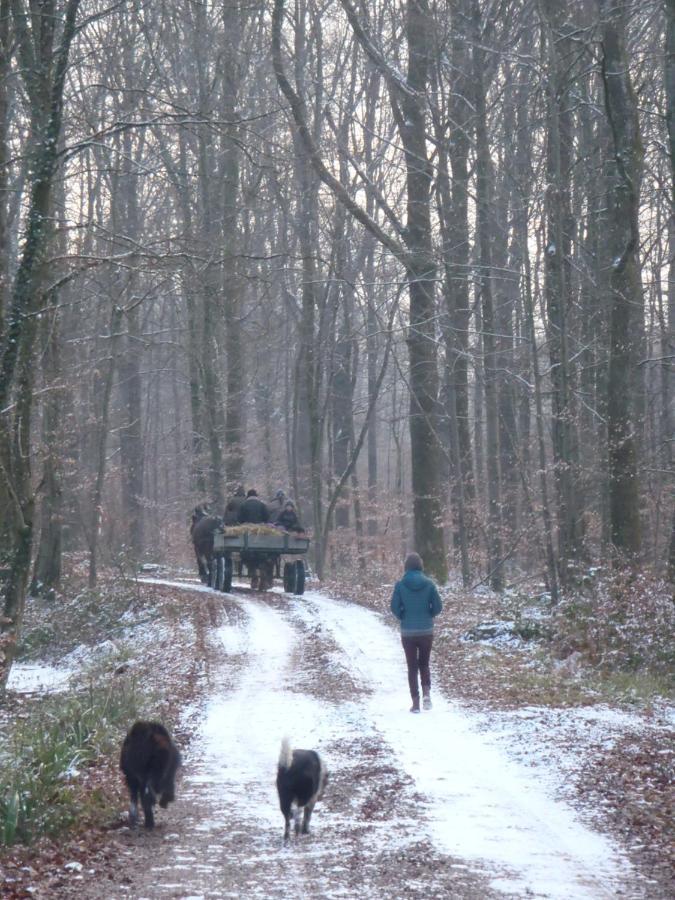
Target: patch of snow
x,y
73,866
190,584
525,736
497,633
84,654
25,678
232,638
233,758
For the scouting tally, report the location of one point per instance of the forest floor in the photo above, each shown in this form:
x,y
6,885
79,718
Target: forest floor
x,y
524,780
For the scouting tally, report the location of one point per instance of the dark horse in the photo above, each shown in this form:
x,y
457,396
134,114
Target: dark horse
x,y
201,532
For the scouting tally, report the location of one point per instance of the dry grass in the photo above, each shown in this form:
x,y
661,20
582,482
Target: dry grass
x,y
236,530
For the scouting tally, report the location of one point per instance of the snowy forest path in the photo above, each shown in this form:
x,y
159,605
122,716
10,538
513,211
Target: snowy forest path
x,y
416,807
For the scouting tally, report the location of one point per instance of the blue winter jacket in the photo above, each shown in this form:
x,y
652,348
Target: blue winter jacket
x,y
415,602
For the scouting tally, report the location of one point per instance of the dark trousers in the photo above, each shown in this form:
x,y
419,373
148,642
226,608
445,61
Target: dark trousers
x,y
417,653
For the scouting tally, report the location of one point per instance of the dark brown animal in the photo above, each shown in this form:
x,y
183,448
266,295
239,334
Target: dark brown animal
x,y
149,761
202,538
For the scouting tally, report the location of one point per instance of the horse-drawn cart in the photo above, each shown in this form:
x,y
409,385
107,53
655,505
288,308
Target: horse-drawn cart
x,y
260,552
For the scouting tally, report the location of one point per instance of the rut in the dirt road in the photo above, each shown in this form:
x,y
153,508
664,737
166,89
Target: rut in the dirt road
x,y
417,806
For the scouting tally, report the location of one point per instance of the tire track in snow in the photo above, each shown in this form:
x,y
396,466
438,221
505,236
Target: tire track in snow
x,y
242,730
482,806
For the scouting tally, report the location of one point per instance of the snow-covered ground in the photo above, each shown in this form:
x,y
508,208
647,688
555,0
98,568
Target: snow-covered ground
x,y
482,806
473,800
27,678
452,802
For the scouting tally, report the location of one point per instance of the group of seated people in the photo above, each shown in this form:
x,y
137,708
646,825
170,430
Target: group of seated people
x,y
246,507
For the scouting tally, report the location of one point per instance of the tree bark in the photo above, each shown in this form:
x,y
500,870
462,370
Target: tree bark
x,y
232,289
103,430
626,291
483,204
670,335
558,290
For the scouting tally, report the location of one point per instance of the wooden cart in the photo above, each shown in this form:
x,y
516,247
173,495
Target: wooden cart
x,y
265,551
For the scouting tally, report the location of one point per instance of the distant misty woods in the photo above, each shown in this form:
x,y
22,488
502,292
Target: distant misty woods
x,y
410,262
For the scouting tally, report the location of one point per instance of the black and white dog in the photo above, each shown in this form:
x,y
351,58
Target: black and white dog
x,y
149,760
301,779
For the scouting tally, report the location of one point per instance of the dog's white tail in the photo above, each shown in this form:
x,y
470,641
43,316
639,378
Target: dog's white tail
x,y
285,754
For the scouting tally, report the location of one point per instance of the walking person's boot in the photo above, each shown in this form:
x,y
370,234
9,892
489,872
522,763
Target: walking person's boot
x,y
426,698
415,708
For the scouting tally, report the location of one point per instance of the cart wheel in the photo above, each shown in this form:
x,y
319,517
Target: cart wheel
x,y
217,566
289,577
299,577
227,574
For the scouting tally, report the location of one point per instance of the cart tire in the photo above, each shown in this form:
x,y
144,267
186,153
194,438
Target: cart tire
x,y
299,577
227,574
289,577
217,565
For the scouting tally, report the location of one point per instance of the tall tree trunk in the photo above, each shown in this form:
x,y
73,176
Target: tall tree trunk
x,y
422,354
232,287
670,341
460,115
5,113
506,307
454,216
342,414
309,421
483,203
127,224
103,431
558,291
131,434
372,343
371,353
626,290
47,573
211,276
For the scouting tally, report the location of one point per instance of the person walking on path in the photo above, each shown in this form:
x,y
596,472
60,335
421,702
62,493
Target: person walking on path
x,y
415,603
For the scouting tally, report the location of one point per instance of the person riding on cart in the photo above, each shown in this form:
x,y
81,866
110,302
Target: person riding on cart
x,y
234,504
260,565
288,518
253,510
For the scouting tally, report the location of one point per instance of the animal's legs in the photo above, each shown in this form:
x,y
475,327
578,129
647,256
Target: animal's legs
x,y
307,815
133,805
148,802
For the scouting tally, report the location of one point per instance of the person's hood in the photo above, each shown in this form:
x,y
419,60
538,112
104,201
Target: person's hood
x,y
414,579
